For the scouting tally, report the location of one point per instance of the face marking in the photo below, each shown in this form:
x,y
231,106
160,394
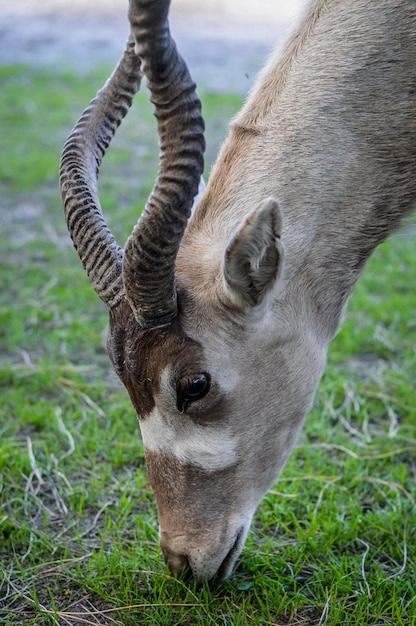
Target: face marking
x,y
208,445
139,356
150,363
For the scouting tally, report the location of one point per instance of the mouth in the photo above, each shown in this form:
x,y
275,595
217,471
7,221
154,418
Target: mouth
x,y
228,563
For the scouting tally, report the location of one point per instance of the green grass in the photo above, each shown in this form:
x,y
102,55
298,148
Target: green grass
x,y
333,543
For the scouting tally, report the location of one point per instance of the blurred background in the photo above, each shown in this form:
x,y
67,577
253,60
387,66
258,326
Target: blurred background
x,y
223,41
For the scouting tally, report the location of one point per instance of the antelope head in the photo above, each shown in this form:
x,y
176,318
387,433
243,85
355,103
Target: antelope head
x,y
186,331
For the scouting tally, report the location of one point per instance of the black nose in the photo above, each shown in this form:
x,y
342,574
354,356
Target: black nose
x,y
178,563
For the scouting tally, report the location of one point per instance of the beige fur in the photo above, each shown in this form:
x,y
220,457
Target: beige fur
x,y
329,132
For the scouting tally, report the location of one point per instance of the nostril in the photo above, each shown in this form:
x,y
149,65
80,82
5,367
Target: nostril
x,y
178,563
227,565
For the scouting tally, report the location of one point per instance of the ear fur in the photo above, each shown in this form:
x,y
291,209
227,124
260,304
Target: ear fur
x,y
253,258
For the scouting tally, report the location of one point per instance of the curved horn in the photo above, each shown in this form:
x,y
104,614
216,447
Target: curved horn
x,y
80,162
150,252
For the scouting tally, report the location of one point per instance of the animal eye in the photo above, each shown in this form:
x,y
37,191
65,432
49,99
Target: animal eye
x,y
192,388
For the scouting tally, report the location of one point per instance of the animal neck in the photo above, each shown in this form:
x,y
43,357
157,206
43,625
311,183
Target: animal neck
x,y
337,207
329,131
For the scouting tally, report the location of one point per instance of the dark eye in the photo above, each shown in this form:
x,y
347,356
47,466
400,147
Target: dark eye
x,y
191,388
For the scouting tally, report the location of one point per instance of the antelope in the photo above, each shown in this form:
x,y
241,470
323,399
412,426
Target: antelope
x,y
220,315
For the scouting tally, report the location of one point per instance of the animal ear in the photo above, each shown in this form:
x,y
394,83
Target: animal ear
x,y
253,259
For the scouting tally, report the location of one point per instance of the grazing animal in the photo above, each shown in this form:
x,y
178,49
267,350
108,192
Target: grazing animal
x,y
220,322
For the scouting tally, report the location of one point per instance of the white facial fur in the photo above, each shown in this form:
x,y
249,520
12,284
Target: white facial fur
x,y
211,447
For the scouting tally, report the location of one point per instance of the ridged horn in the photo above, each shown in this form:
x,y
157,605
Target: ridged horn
x,y
151,250
80,162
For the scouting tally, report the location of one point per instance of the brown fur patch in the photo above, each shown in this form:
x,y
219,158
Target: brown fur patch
x,y
139,356
190,499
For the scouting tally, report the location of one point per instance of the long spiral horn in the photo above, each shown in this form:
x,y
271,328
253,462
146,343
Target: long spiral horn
x,y
146,275
150,252
80,162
